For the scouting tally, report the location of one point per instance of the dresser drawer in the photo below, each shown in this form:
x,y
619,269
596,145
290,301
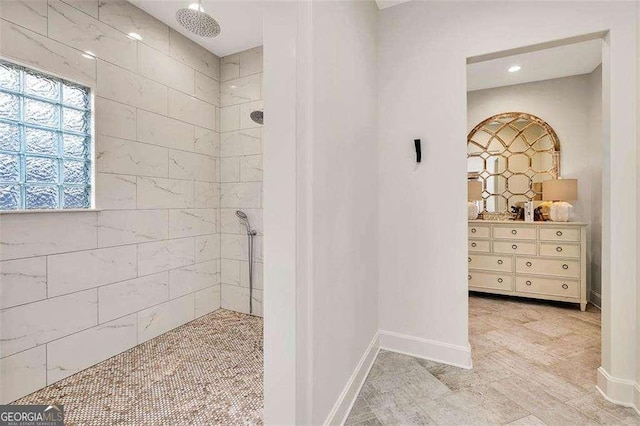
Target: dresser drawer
x,y
514,247
560,249
559,234
490,262
559,267
479,231
548,286
514,232
480,246
492,281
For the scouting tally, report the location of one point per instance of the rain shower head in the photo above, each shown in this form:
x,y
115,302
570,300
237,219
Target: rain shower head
x,y
195,20
257,116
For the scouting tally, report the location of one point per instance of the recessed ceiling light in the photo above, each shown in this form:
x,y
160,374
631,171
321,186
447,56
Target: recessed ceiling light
x,y
196,6
88,54
135,36
515,68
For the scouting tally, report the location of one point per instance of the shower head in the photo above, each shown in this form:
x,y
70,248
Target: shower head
x,y
195,20
243,219
257,116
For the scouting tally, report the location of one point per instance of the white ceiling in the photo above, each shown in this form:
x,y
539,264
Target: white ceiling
x,y
556,62
240,21
383,4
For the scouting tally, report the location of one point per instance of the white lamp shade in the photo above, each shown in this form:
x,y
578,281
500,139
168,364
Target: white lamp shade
x,y
474,191
560,190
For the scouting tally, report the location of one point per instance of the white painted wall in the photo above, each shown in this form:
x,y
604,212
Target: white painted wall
x,y
344,294
78,288
572,107
423,229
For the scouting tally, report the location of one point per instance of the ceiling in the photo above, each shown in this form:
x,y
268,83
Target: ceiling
x,y
240,22
564,61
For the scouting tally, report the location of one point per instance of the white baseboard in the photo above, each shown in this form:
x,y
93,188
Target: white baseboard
x,y
347,398
445,353
618,391
596,299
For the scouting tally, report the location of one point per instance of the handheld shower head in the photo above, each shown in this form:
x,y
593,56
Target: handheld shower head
x,y
244,220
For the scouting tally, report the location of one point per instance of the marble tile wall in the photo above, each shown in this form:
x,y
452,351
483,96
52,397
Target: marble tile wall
x,y
79,287
240,177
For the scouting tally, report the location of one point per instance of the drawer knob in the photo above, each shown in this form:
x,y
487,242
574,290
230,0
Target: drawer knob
x,y
469,260
500,262
473,230
514,231
515,246
500,280
565,266
473,244
529,264
558,249
528,282
565,286
559,233
469,277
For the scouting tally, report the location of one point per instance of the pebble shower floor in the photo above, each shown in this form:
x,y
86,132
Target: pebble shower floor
x,y
206,372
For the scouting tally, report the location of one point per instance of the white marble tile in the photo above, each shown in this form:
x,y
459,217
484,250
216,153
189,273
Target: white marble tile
x,y
76,29
22,374
131,158
82,270
187,165
230,271
207,89
129,88
207,195
192,222
74,353
207,142
207,300
191,109
158,193
241,142
123,298
36,234
236,298
115,119
207,247
159,319
230,67
230,169
241,90
89,7
22,281
245,114
164,255
241,195
251,168
194,55
168,71
257,275
115,192
124,16
193,278
164,131
33,324
132,226
30,14
229,222
258,253
234,246
230,118
49,55
251,61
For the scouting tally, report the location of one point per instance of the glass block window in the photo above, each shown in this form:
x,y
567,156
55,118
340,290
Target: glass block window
x,y
45,141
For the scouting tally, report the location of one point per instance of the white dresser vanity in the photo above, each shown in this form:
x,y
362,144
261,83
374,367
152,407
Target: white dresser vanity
x,y
542,260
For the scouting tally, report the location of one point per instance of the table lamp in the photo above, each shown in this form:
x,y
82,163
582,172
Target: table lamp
x,y
560,191
474,193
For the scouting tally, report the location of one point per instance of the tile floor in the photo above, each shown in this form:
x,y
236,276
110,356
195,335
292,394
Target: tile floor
x,y
206,372
534,364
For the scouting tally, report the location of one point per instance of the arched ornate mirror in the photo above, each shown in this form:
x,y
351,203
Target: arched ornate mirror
x,y
511,154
